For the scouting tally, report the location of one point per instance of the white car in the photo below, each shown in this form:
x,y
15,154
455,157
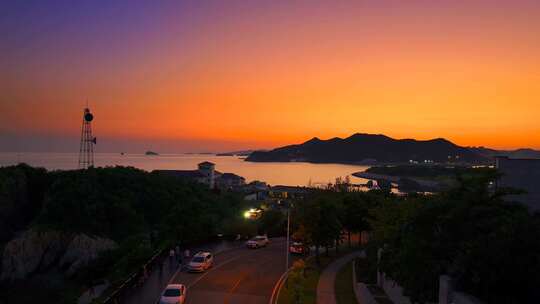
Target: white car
x,y
258,242
200,262
173,294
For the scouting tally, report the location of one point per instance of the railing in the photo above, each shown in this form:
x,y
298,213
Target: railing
x,y
134,280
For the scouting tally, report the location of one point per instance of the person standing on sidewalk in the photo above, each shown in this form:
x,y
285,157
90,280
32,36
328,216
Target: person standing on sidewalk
x,y
178,256
186,254
171,258
161,262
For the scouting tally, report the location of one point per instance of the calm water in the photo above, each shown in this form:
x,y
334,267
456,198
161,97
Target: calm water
x,y
299,174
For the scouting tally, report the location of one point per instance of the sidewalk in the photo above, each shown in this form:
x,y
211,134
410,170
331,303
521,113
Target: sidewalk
x,y
325,288
156,282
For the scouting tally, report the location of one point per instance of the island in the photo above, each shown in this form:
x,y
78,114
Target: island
x,y
151,153
423,178
369,149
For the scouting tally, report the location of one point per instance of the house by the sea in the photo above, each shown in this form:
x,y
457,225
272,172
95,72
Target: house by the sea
x,y
208,175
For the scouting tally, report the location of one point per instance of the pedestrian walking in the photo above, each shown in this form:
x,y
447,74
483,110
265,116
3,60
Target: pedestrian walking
x,y
171,258
91,291
145,272
178,255
186,254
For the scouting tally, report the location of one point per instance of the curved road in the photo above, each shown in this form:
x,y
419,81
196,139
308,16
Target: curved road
x,y
238,276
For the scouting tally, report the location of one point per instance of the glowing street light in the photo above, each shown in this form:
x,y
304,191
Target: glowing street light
x,y
253,213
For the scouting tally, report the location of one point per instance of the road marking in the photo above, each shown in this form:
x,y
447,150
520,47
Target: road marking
x,y
215,254
214,268
277,287
222,264
231,291
250,252
180,267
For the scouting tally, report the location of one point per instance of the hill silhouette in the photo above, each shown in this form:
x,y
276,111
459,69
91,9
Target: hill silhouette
x,y
518,153
369,148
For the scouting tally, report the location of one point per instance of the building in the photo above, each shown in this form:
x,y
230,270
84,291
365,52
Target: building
x,y
208,170
285,192
523,174
229,181
206,174
255,191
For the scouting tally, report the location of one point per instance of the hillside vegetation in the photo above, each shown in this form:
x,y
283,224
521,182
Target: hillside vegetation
x,y
486,243
137,210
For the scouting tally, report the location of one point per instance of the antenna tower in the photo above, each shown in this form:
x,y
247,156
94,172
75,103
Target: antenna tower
x,y
86,150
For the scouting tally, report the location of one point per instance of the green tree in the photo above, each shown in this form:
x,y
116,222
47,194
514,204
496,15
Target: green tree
x,y
355,213
319,217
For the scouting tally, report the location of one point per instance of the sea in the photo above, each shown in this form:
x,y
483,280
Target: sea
x,y
274,173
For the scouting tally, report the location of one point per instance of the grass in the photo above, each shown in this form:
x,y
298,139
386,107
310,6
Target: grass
x,y
309,286
311,278
343,285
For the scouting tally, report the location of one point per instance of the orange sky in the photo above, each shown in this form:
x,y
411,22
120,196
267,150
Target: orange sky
x,y
273,73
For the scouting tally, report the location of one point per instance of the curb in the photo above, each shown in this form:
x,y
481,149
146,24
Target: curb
x,y
277,288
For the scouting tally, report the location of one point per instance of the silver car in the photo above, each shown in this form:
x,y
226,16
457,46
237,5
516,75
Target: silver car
x,y
258,242
173,294
200,262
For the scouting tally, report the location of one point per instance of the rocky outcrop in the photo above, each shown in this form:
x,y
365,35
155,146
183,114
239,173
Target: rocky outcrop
x,y
83,249
30,252
38,251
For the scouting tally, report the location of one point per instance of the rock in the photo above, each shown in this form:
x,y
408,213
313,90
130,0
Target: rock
x,y
38,251
93,292
32,251
83,249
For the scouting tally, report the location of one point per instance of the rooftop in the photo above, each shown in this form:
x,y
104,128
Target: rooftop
x,y
181,173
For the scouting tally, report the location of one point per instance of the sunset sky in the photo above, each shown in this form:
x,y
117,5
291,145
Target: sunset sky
x,y
182,76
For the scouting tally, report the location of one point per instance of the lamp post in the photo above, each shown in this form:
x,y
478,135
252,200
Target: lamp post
x,y
287,244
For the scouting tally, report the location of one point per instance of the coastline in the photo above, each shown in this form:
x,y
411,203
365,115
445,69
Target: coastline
x,y
396,179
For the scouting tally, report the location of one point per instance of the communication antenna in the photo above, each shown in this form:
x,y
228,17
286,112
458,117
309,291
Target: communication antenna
x,y
86,149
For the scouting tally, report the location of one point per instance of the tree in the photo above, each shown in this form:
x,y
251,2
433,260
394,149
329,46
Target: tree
x,y
319,217
470,233
354,215
272,223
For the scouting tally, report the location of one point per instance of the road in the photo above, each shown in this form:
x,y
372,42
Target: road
x,y
238,276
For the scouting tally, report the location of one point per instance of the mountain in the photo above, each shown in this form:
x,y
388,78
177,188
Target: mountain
x,y
366,148
519,153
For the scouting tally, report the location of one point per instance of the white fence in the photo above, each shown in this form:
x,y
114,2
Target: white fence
x,y
392,290
447,294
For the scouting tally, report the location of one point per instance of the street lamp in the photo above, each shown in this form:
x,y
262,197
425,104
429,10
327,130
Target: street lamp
x,y
253,213
287,244
288,205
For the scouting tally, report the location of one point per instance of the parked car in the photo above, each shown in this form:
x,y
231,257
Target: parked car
x,y
298,248
200,262
258,242
173,294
